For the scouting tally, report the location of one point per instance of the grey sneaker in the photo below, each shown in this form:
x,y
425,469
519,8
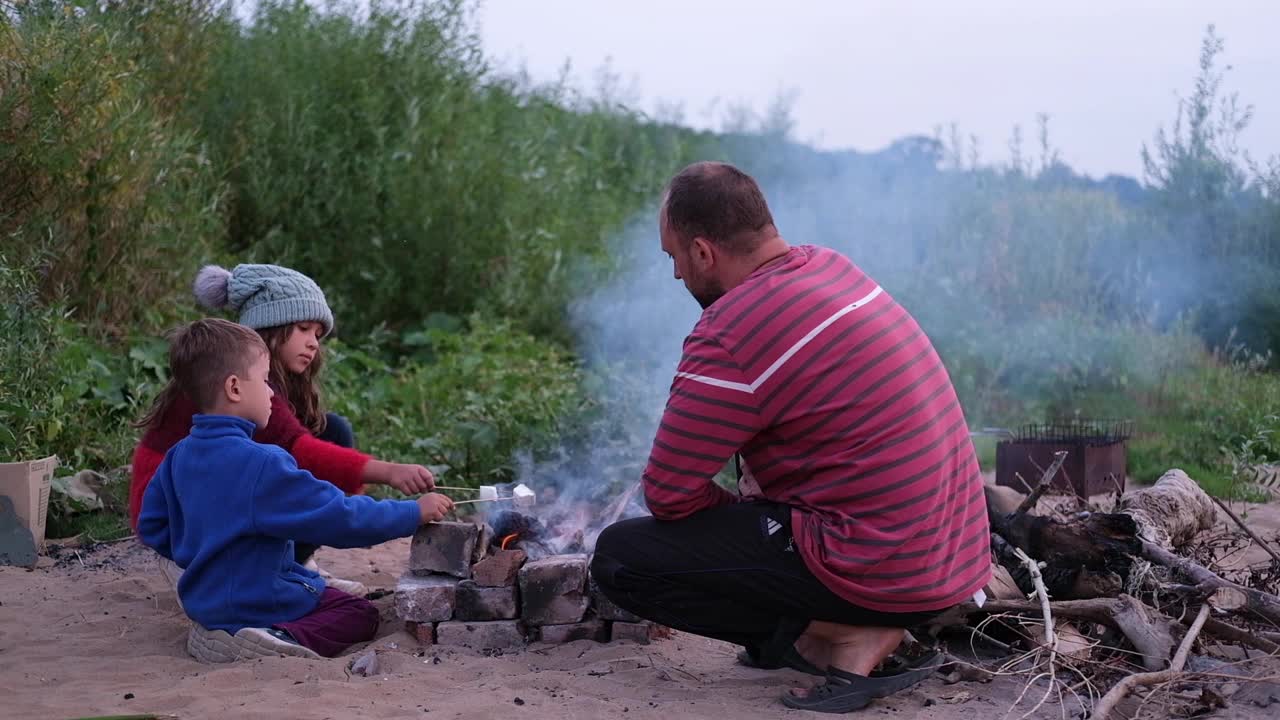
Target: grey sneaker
x,y
219,646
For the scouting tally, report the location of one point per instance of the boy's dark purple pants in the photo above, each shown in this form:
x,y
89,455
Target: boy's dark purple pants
x,y
338,622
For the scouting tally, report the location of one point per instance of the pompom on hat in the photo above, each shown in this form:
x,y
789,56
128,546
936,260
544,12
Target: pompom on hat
x,y
264,295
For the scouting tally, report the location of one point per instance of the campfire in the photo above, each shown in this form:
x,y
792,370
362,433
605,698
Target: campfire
x,y
511,578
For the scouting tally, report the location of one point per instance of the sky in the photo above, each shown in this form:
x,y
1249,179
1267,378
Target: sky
x,y
861,74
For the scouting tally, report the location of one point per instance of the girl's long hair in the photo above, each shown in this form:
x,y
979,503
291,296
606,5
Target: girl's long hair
x,y
167,397
300,389
160,406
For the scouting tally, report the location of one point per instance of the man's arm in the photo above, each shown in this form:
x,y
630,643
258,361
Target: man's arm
x,y
711,413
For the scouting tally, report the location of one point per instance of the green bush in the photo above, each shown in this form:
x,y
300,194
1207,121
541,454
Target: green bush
x,y
101,185
381,156
466,406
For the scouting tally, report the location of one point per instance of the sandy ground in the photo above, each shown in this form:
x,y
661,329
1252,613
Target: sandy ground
x,y
99,632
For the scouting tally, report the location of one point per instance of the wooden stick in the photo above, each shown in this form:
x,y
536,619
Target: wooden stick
x,y
1264,605
462,489
1107,704
1050,637
480,500
616,511
1261,543
1045,481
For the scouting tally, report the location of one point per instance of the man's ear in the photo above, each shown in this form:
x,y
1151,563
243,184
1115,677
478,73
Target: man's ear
x,y
702,253
232,388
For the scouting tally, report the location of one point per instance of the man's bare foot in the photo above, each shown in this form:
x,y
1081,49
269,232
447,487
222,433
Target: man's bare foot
x,y
851,648
814,649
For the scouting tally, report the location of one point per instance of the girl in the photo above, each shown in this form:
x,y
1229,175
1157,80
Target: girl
x,y
291,314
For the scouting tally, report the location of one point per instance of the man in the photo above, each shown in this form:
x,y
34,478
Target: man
x,y
860,509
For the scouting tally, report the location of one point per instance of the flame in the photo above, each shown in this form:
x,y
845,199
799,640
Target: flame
x,y
507,540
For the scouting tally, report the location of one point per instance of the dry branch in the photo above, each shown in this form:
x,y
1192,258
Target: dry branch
x,y
1261,604
1261,543
1045,481
1146,628
1107,704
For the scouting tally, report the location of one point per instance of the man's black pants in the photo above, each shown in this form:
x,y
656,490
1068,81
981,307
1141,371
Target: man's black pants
x,y
731,573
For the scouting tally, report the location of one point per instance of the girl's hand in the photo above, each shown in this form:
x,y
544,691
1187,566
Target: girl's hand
x,y
408,479
433,507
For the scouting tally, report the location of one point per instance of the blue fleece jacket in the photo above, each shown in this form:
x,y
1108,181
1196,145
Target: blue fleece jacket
x,y
227,510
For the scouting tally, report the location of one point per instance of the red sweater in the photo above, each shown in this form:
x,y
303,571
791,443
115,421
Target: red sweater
x,y
841,409
341,466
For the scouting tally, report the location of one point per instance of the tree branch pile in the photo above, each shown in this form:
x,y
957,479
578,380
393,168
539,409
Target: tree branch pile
x,y
1112,600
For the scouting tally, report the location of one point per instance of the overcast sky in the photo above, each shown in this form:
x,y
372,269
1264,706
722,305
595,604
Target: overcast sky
x,y
865,73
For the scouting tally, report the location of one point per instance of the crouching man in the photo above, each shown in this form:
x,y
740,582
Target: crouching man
x,y
859,510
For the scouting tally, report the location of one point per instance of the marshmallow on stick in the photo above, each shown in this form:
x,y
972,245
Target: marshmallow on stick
x,y
524,496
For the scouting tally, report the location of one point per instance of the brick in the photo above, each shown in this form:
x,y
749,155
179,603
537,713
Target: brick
x,y
443,547
606,610
594,629
476,602
553,591
425,599
499,569
635,632
483,542
424,633
481,635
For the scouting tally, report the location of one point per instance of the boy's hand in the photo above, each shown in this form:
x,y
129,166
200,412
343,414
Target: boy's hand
x,y
408,479
433,507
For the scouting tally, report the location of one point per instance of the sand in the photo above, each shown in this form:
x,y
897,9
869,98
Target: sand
x,y
98,632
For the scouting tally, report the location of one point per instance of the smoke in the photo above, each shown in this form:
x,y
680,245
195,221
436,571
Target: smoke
x,y
1032,287
630,323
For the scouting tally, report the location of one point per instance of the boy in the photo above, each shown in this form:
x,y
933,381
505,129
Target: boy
x,y
227,510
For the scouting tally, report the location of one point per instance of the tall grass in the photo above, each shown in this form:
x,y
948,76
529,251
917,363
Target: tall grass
x,y
101,186
382,156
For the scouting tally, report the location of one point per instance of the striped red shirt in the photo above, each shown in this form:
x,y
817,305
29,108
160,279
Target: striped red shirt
x,y
840,408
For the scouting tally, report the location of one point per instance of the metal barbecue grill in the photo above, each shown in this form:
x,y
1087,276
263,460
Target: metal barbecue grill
x,y
1097,455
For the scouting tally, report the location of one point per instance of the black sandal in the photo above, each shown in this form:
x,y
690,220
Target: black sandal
x,y
845,691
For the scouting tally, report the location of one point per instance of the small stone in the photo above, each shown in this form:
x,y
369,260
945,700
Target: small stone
x,y
481,635
425,599
366,665
518,701
553,591
594,629
606,610
475,602
635,632
443,547
499,569
128,696
424,633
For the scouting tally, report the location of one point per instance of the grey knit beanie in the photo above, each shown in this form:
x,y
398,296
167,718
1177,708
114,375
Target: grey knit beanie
x,y
264,295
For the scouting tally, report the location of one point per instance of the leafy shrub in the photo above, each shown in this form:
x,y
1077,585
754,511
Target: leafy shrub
x,y
379,155
101,186
482,395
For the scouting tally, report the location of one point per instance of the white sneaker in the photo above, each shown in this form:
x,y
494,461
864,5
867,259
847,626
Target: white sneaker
x,y
219,646
351,587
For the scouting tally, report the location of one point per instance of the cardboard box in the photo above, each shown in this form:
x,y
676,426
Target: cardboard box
x,y
28,484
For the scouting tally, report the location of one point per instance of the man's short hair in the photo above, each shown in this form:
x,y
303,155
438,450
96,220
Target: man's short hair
x,y
204,353
717,201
